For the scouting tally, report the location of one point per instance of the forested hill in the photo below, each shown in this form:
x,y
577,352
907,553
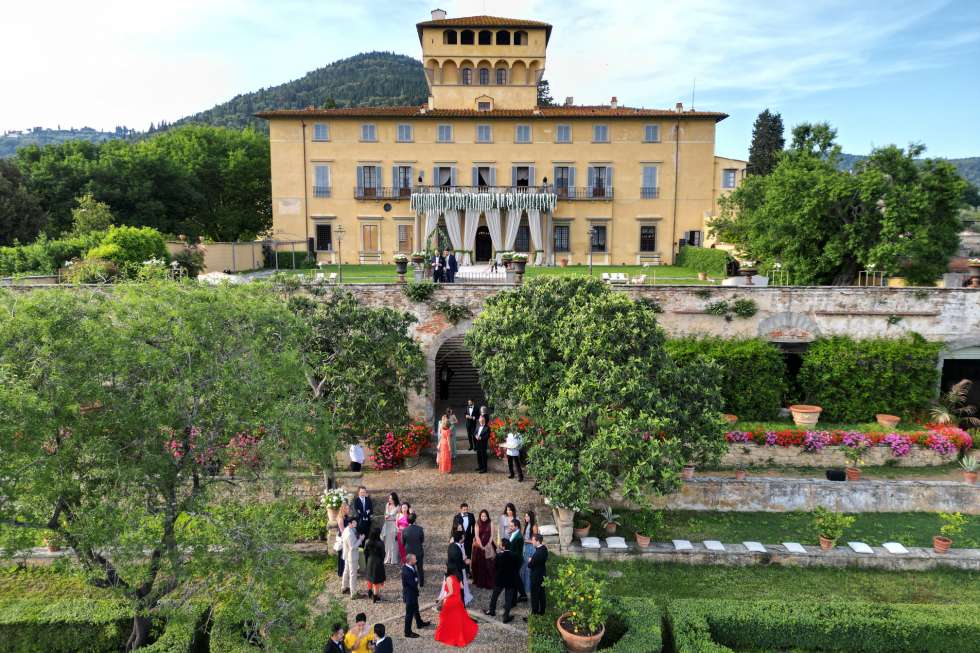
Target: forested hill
x,y
367,79
969,168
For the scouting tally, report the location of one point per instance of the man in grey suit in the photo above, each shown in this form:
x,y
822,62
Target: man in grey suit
x,y
414,537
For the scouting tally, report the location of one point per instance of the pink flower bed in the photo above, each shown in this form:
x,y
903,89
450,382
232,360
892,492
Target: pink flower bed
x,y
944,440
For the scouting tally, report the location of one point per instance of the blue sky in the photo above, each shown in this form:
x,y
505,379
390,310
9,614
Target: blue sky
x,y
881,72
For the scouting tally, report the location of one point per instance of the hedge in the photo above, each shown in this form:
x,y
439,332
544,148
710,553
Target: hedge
x,y
852,380
302,261
45,256
634,621
42,625
753,372
180,633
714,626
704,259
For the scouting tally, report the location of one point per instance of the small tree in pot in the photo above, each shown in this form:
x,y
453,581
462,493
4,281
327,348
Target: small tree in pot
x,y
581,599
646,524
953,523
830,526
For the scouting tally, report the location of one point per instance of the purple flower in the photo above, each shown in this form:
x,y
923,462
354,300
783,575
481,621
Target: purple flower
x,y
815,440
739,436
855,440
771,438
900,444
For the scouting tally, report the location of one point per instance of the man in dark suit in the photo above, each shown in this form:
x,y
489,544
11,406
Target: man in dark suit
x,y
471,415
506,580
414,537
438,268
363,510
456,559
410,595
481,438
517,548
537,566
336,642
452,267
465,522
383,643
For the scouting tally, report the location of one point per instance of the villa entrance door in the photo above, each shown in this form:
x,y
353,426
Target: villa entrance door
x,y
483,249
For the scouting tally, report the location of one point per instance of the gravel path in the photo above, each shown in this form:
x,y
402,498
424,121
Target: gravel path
x,y
435,498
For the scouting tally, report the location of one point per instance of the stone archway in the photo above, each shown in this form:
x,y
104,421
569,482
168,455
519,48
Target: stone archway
x,y
789,328
449,343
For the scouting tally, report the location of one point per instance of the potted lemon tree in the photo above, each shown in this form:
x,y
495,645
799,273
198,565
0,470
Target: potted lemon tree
x,y
646,524
581,599
953,523
830,526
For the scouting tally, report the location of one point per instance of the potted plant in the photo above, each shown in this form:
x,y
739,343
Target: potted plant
x,y
506,258
969,465
581,600
563,262
953,523
830,526
702,276
418,257
646,524
728,417
854,460
54,542
610,520
888,421
519,261
740,472
687,473
332,500
401,263
582,526
805,414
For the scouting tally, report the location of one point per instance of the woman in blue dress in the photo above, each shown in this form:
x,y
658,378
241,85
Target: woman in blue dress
x,y
530,528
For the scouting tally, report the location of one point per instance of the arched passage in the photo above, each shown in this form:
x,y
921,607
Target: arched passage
x,y
452,376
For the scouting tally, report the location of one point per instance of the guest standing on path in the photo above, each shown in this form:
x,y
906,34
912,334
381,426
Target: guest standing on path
x,y
341,524
453,421
452,267
444,456
517,548
374,572
506,581
538,566
336,642
414,537
383,643
503,525
464,522
410,595
456,560
351,542
356,455
471,415
363,510
513,450
402,523
484,552
438,268
455,628
389,531
528,531
480,439
359,638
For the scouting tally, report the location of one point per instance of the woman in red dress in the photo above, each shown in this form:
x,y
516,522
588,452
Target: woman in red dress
x,y
455,628
484,552
444,455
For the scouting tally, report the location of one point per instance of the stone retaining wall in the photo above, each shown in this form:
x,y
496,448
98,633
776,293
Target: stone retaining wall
x,y
777,494
756,455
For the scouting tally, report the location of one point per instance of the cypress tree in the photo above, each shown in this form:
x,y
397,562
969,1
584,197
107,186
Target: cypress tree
x,y
767,143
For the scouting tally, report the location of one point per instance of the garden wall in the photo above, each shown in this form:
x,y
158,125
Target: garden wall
x,y
754,455
776,494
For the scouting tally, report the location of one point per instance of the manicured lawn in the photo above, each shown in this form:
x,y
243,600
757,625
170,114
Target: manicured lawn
x,y
46,583
909,528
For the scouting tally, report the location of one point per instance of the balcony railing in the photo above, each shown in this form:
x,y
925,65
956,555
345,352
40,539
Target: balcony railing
x,y
321,191
563,192
382,193
649,192
584,192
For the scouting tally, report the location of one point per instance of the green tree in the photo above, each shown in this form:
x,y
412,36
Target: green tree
x,y
116,412
767,143
589,366
90,215
824,224
544,94
21,215
360,363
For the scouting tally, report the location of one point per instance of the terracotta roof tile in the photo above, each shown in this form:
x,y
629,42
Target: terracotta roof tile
x,y
577,111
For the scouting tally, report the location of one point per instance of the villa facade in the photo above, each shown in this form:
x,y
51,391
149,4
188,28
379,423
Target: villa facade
x,y
481,168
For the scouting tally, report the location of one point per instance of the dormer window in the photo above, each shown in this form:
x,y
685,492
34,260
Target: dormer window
x,y
484,106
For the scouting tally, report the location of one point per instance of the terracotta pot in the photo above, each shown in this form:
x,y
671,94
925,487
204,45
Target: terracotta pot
x,y
642,540
702,276
853,473
582,532
888,421
611,529
688,472
563,262
969,478
826,544
805,415
728,417
411,461
740,474
53,548
579,643
941,544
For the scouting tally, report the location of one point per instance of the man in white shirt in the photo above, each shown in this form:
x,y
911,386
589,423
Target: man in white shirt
x,y
356,454
350,540
513,447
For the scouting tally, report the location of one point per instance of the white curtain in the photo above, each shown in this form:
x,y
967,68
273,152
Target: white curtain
x,y
431,222
534,226
470,219
452,226
513,222
493,224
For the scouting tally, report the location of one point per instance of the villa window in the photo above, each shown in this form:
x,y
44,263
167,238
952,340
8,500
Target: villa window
x,y
484,106
321,181
648,238
598,238
562,238
483,176
564,177
369,133
484,134
323,240
466,37
321,132
728,177
444,176
503,37
405,134
467,76
370,238
522,176
693,238
600,133
449,37
563,134
648,190
522,134
484,76
600,181
368,180
445,134
404,238
485,37
651,134
403,180
523,241
501,76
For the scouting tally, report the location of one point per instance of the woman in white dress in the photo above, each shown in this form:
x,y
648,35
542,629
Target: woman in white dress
x,y
389,531
503,522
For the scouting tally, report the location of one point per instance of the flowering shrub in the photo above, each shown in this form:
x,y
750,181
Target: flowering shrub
x,y
900,444
815,440
501,426
386,454
396,446
243,449
944,440
191,443
941,443
335,497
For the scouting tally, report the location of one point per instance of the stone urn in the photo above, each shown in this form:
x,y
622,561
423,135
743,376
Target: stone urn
x,y
688,472
564,520
888,421
805,415
579,643
401,267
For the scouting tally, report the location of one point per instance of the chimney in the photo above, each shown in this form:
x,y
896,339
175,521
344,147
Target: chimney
x,y
438,14
614,103
679,107
569,101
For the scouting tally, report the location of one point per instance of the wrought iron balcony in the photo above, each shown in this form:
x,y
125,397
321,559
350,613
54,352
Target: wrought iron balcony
x,y
321,191
381,193
584,192
649,192
562,192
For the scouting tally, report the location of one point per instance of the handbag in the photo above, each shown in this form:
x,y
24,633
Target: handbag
x,y
490,551
338,545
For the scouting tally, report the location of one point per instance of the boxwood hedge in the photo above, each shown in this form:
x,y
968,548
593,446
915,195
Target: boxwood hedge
x,y
633,627
852,380
42,625
704,259
714,626
753,372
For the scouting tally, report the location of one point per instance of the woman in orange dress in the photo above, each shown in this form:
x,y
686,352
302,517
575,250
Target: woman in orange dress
x,y
455,628
444,457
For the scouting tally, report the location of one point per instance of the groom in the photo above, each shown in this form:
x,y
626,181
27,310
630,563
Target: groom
x,y
481,438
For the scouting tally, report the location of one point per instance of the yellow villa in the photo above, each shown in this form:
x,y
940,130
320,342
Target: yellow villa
x,y
482,165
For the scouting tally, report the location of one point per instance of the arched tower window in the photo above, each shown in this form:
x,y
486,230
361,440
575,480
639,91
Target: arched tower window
x,y
484,76
466,37
467,76
503,37
486,37
520,38
449,37
501,76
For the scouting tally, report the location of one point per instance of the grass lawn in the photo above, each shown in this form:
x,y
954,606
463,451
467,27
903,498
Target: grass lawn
x,y
909,528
